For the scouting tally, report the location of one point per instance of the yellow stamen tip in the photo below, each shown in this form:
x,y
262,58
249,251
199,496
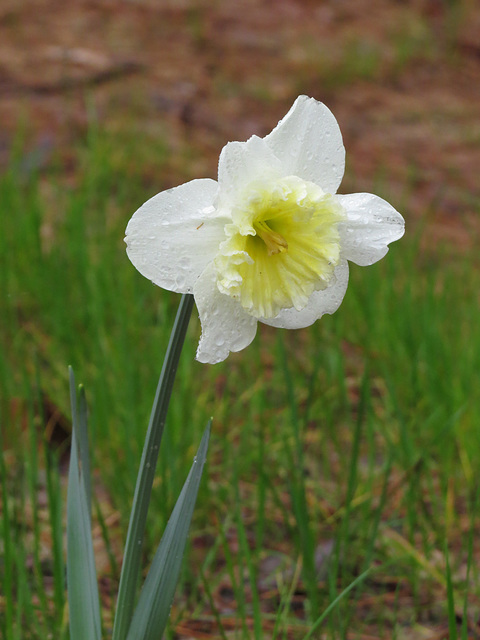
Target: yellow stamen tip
x,y
274,241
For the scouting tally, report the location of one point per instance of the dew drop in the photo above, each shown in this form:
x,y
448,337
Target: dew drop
x,y
180,281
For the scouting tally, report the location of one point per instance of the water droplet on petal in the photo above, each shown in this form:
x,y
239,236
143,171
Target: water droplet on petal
x,y
180,281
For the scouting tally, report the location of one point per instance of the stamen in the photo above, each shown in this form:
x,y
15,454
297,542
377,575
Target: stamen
x,y
274,241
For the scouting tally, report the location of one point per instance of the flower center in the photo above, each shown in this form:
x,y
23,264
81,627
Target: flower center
x,y
283,244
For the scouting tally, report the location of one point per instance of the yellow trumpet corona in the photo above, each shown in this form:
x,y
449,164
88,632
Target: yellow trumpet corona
x,y
283,244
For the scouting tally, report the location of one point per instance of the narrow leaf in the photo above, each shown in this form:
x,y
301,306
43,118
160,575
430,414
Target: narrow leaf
x,y
82,585
153,608
333,604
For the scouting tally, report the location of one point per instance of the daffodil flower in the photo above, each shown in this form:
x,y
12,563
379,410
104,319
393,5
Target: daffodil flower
x,y
269,241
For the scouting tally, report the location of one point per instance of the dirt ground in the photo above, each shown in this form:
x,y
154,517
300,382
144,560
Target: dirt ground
x,y
402,77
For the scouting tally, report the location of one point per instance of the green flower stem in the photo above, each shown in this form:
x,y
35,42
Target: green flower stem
x,y
136,528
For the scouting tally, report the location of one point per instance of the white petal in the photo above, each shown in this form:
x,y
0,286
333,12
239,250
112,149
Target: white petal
x,y
309,144
244,163
175,234
326,301
371,225
226,326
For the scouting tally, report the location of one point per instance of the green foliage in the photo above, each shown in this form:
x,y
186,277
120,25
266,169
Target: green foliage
x,y
33,582
359,435
146,620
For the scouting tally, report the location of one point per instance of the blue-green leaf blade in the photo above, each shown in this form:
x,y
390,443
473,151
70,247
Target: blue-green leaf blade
x,y
82,584
153,607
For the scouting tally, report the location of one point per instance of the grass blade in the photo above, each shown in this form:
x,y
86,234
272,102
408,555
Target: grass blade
x,y
81,576
153,608
82,436
452,619
6,620
56,528
334,603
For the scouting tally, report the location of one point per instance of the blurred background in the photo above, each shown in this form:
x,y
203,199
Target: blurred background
x,y
352,445
400,76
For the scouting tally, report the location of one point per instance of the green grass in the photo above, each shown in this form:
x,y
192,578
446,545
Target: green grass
x,y
359,436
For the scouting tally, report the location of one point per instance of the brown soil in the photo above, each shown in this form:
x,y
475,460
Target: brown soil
x,y
403,79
